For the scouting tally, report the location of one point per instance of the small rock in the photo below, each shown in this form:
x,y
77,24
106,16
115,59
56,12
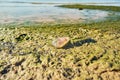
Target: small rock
x,y
60,42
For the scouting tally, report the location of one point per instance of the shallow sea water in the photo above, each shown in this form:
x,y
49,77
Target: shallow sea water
x,y
20,12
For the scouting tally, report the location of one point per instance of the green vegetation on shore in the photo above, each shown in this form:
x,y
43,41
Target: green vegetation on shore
x,y
80,6
110,25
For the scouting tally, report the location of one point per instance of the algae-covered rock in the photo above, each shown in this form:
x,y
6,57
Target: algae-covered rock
x,y
60,42
93,55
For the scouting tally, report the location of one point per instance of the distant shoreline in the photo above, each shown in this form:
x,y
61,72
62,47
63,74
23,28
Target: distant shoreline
x,y
60,2
95,7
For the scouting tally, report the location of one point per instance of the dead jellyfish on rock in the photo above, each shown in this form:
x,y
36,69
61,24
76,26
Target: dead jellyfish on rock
x,y
60,42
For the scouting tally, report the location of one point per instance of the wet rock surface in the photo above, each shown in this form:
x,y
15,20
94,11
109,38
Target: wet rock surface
x,y
27,54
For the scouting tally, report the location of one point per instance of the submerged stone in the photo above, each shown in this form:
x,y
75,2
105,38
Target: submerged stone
x,y
60,42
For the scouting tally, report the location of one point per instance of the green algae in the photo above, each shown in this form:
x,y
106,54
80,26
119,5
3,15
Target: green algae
x,y
96,55
80,7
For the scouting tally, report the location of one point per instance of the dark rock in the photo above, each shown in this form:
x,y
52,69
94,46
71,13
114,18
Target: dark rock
x,y
80,8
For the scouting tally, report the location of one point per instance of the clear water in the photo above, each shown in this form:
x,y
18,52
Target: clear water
x,y
19,12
